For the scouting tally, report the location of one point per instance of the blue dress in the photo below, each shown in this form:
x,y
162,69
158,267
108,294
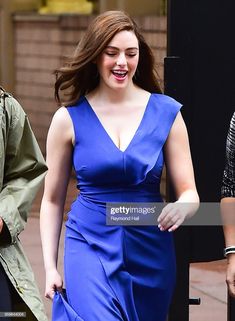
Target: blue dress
x,y
114,272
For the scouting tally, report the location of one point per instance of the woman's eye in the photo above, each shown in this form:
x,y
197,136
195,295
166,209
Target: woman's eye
x,y
131,54
110,53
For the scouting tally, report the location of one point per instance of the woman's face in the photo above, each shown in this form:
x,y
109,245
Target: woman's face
x,y
118,62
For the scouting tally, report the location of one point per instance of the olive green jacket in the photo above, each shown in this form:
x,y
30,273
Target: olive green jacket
x,y
22,169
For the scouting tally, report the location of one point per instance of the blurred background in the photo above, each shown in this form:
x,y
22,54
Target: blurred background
x,y
35,35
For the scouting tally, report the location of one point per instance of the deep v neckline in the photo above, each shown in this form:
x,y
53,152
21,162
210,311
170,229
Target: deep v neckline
x,y
138,127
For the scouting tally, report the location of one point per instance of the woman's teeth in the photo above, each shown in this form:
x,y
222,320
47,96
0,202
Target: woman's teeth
x,y
121,74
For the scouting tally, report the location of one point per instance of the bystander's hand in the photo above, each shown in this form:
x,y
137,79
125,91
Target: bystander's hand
x,y
1,224
230,278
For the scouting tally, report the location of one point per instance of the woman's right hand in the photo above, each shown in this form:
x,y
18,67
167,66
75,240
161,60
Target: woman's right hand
x,y
54,283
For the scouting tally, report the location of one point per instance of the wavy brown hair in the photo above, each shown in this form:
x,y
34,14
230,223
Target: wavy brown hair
x,y
80,76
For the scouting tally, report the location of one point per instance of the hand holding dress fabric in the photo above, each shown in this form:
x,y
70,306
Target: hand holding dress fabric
x,y
54,283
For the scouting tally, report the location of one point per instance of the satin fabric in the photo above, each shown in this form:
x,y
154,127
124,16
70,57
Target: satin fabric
x,y
118,273
61,310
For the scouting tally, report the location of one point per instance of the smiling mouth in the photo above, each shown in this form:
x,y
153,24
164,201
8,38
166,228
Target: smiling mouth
x,y
119,74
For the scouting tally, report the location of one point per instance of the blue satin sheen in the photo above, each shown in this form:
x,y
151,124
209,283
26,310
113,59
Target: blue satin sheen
x,y
61,310
118,273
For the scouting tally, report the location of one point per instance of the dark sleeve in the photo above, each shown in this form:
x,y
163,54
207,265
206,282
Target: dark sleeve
x,y
228,183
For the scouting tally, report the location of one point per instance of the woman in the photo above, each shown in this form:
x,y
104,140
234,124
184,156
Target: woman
x,y
228,206
22,170
116,127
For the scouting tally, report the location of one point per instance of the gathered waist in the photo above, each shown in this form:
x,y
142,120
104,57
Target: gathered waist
x,y
95,201
101,195
86,214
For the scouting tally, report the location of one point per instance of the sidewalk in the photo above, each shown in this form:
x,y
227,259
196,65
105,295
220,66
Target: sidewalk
x,y
207,279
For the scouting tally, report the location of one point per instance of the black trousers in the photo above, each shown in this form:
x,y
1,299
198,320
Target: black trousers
x,y
10,301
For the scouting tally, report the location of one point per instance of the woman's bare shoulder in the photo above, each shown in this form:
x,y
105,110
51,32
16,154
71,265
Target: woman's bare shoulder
x,y
61,124
62,118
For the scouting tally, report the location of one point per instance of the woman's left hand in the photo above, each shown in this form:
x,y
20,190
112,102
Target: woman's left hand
x,y
173,215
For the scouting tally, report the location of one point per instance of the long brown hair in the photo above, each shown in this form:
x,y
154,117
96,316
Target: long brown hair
x,y
79,76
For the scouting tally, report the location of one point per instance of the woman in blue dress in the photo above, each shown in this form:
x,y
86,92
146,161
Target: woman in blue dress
x,y
117,130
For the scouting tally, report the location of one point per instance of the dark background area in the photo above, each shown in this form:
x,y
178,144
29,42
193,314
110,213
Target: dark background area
x,y
199,72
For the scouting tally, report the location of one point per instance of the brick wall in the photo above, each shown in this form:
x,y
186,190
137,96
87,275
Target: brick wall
x,y
40,44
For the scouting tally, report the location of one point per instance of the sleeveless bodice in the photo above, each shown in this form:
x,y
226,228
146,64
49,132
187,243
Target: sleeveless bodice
x,y
104,172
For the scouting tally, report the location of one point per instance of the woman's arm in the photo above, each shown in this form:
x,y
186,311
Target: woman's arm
x,y
180,170
59,154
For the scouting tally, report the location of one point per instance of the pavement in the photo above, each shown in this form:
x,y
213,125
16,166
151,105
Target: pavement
x,y
207,280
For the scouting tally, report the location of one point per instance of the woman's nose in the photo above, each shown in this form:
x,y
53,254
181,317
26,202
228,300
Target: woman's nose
x,y
121,59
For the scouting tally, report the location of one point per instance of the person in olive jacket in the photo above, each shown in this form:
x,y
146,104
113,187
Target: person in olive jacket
x,y
22,170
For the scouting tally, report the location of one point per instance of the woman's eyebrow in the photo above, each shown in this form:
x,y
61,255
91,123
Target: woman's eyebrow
x,y
115,48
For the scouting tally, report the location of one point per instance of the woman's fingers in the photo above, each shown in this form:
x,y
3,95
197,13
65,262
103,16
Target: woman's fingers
x,y
171,217
51,292
54,283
